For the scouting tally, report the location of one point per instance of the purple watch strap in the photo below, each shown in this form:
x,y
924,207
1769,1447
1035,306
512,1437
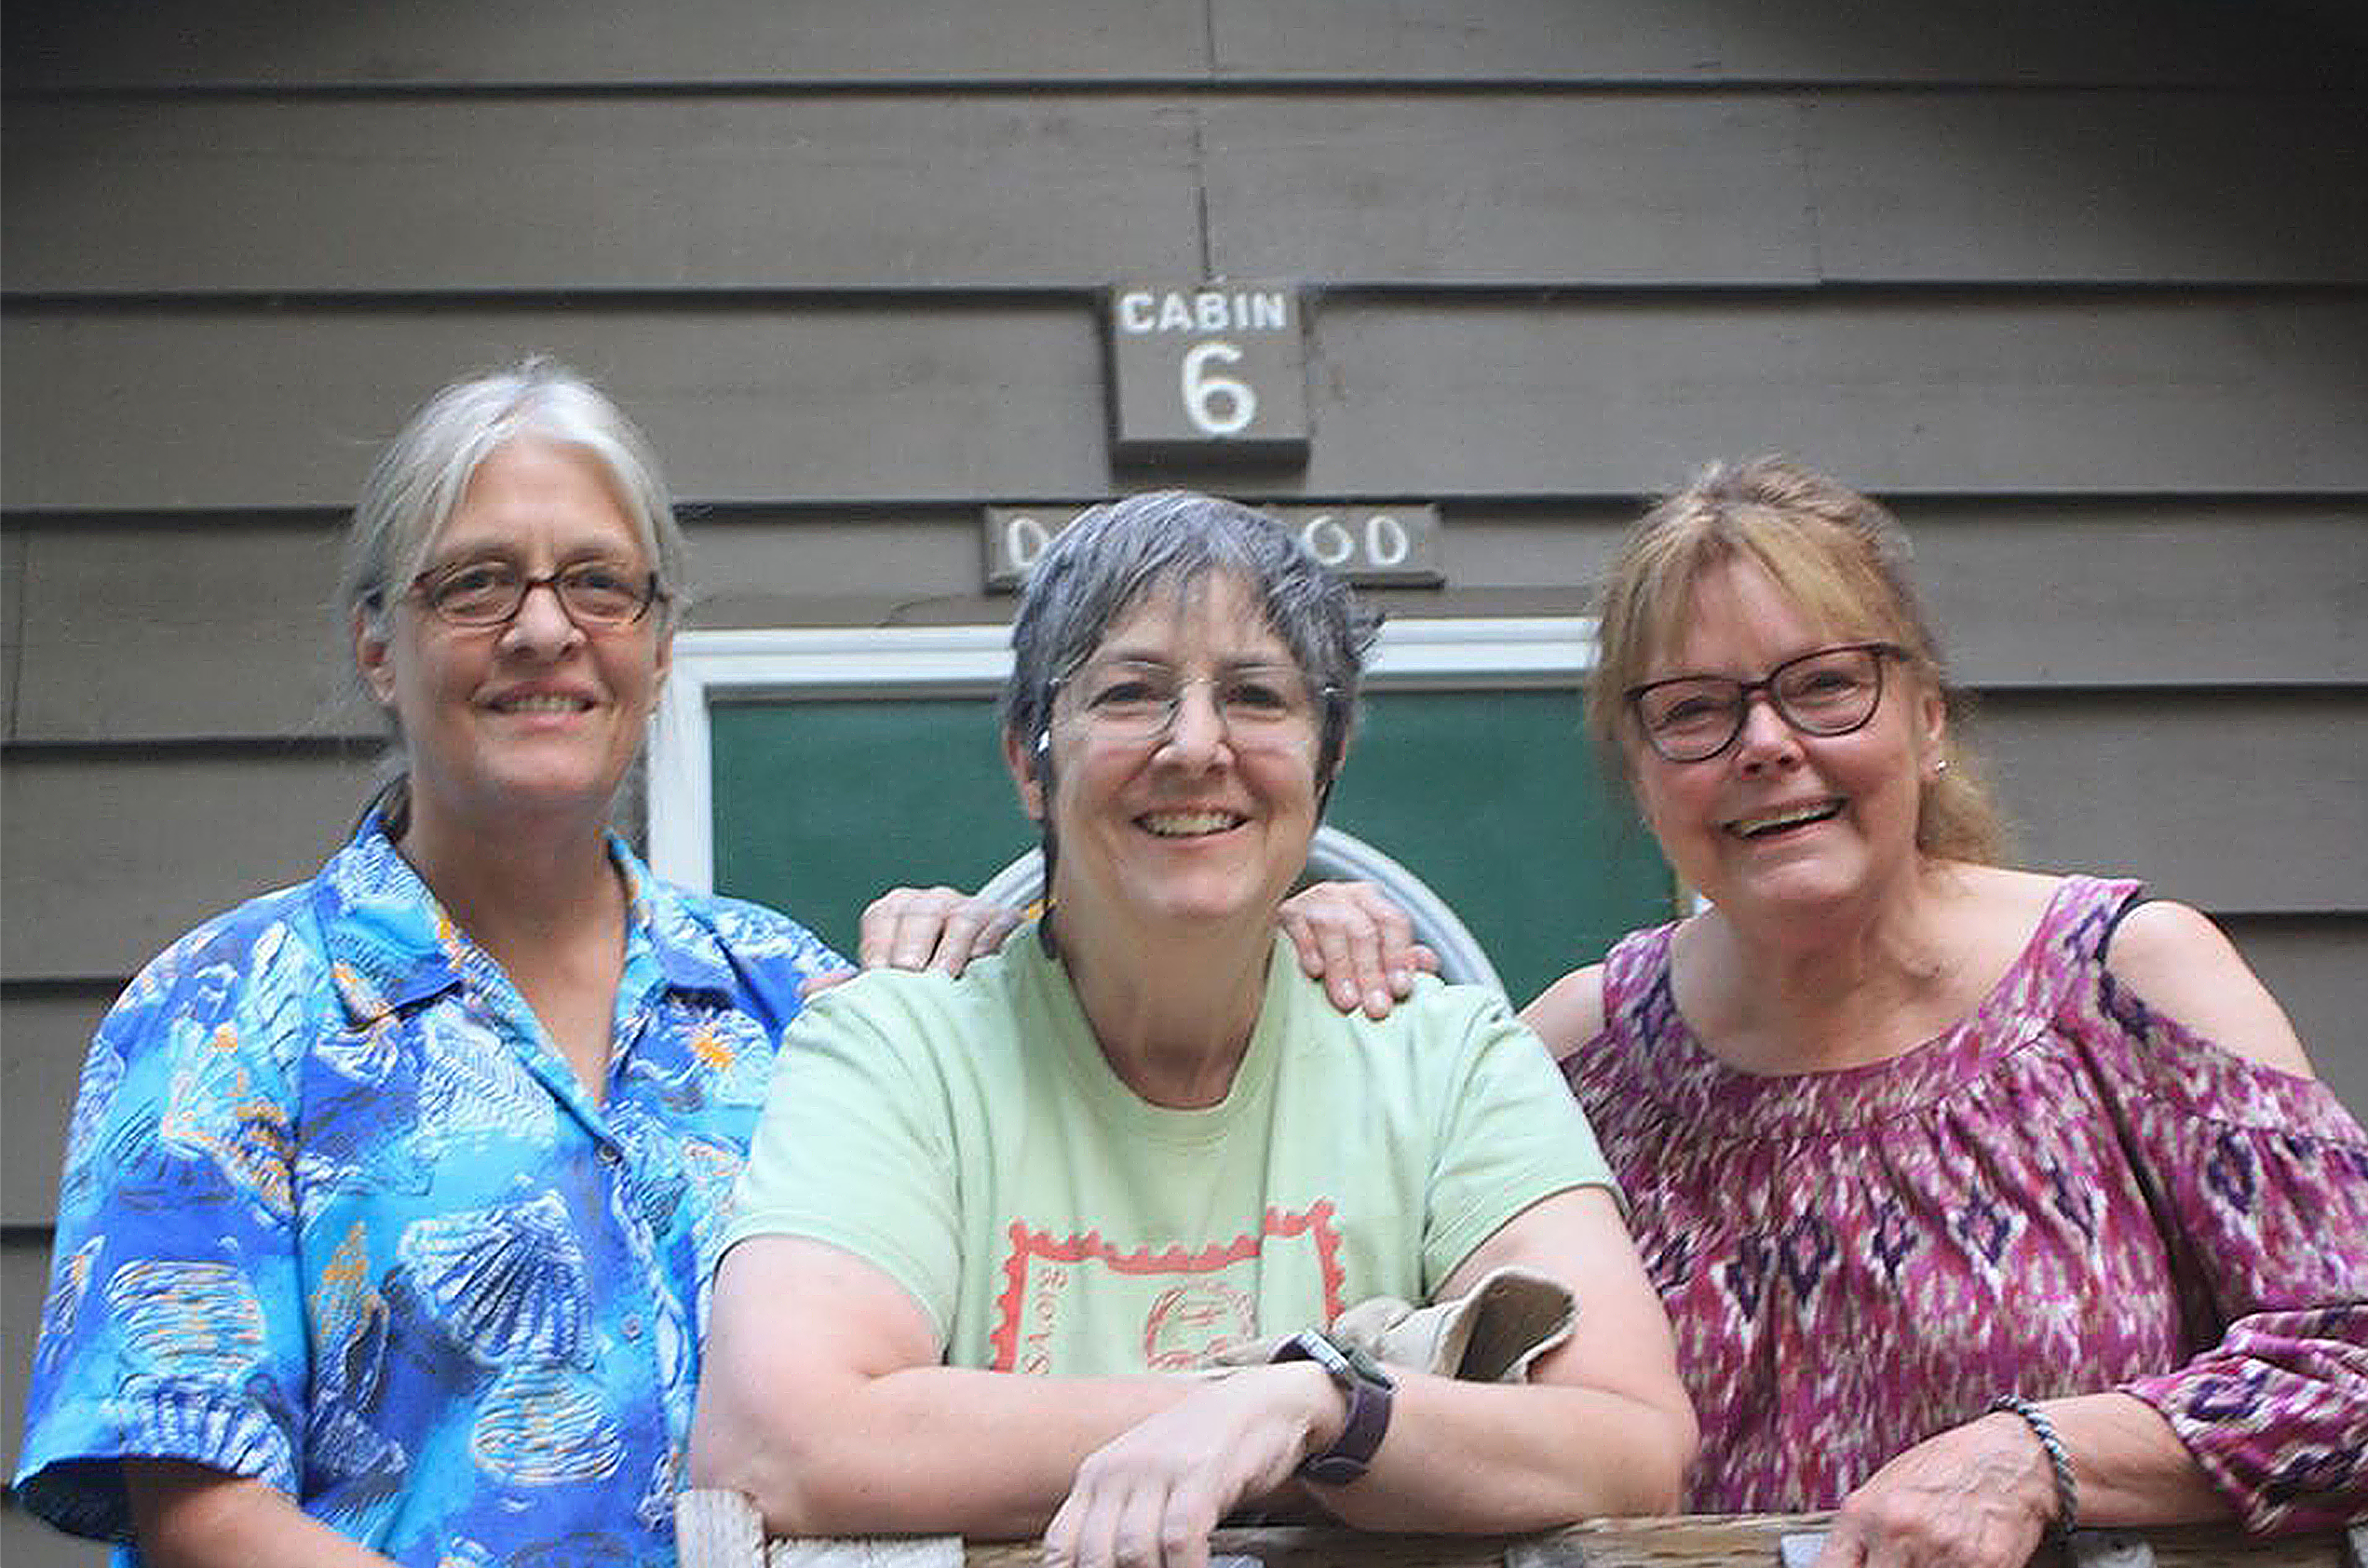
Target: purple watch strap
x,y
1369,1397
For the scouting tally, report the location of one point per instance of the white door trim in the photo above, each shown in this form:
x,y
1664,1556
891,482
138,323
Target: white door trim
x,y
973,660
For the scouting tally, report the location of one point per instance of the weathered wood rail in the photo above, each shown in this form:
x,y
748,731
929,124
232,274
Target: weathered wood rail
x,y
720,1530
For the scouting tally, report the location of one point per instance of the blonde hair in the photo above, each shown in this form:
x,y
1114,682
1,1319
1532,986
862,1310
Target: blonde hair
x,y
1837,556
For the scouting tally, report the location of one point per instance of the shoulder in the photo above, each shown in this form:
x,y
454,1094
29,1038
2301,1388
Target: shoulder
x,y
745,929
271,941
1431,1018
1570,1012
917,1016
2182,965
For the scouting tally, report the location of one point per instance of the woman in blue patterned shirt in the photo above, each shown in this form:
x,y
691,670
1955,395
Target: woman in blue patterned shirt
x,y
390,1199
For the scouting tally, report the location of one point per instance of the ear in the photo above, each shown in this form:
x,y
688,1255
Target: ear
x,y
372,656
1932,725
1019,754
664,666
1347,744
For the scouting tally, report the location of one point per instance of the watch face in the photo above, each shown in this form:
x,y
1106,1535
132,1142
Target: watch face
x,y
1327,1355
1333,1469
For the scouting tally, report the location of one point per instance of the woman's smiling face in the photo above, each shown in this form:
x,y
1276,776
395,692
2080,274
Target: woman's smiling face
x,y
1206,821
1782,820
538,713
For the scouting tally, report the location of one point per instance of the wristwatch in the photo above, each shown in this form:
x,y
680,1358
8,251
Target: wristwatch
x,y
1368,1388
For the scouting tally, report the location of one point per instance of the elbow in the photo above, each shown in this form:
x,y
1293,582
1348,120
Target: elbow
x,y
1661,1452
780,1474
767,1460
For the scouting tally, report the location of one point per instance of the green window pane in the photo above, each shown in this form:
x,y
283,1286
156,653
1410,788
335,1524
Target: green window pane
x,y
1491,797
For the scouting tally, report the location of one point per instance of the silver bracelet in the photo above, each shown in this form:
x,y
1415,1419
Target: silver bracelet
x,y
2068,1493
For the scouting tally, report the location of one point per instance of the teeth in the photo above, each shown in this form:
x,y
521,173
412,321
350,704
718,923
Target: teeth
x,y
1752,827
553,703
1189,824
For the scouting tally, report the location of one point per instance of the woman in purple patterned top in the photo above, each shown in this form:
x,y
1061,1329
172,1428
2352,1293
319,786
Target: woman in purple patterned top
x,y
1906,1134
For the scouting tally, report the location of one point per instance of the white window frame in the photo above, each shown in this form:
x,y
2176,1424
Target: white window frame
x,y
973,660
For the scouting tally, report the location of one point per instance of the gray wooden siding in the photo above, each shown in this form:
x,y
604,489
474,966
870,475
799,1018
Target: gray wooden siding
x,y
287,43
231,404
139,192
2088,304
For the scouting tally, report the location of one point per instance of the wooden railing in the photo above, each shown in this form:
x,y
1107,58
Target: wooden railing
x,y
721,1529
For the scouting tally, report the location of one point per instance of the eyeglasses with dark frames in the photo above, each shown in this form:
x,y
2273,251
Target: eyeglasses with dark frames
x,y
595,594
1825,692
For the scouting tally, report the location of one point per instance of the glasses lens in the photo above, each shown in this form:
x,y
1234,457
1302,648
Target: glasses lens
x,y
1261,706
1691,719
603,593
475,593
1268,705
1829,693
1124,702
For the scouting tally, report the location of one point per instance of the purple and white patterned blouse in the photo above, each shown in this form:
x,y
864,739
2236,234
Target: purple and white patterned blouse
x,y
2064,1193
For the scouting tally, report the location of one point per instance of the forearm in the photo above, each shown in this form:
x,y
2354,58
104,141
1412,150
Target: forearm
x,y
188,1516
2128,1465
1499,1456
919,1450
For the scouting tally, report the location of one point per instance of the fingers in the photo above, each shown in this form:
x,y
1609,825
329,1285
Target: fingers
x,y
1844,1548
931,927
1359,943
1967,1498
973,929
1149,1497
814,985
1122,1517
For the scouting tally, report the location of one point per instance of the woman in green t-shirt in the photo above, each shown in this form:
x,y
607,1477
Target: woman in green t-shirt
x,y
1137,1140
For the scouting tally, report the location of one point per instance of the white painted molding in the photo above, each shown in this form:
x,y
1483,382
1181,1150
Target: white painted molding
x,y
970,660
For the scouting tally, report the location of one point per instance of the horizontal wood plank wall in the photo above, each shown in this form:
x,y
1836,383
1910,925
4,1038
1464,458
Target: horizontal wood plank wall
x,y
292,43
2028,593
2089,305
223,405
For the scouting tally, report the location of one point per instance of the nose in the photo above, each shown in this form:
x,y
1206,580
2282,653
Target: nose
x,y
1197,728
1766,739
542,625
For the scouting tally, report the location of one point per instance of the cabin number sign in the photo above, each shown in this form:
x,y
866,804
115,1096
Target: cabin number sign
x,y
1207,369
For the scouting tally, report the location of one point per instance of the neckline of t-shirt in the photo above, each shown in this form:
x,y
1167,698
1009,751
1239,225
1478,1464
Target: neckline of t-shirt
x,y
1112,1097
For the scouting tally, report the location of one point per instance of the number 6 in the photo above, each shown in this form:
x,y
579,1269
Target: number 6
x,y
1200,389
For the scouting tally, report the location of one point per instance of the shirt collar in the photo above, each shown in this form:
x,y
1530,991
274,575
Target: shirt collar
x,y
391,946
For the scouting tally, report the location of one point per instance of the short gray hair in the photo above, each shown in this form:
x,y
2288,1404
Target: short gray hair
x,y
1115,555
419,479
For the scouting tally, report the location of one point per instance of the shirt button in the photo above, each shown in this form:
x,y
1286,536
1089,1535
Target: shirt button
x,y
608,1155
633,1327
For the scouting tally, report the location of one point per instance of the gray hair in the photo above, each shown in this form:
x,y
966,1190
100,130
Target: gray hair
x,y
419,479
1116,555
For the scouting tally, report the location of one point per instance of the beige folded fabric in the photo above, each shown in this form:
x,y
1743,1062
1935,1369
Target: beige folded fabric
x,y
1493,1333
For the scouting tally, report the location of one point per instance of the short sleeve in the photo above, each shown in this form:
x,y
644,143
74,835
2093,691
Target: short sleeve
x,y
1510,1133
855,1146
174,1323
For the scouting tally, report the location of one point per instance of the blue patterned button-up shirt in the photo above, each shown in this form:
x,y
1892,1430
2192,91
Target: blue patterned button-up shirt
x,y
337,1215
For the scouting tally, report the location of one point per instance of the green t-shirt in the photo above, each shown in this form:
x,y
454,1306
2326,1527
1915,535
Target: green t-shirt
x,y
968,1138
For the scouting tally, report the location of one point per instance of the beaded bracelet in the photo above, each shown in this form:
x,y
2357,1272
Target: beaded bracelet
x,y
2067,1494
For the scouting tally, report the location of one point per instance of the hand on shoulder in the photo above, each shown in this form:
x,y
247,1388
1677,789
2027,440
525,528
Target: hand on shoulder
x,y
2184,966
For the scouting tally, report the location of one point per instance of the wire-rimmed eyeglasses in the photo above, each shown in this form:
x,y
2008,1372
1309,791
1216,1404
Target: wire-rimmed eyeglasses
x,y
1824,692
1134,702
595,594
